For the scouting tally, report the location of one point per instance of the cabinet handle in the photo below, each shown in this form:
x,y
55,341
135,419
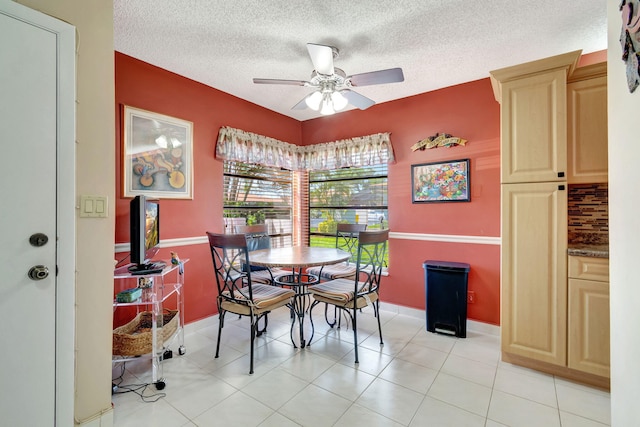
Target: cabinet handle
x,y
560,174
561,187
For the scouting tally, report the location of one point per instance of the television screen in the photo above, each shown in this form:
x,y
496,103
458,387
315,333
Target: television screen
x,y
151,229
144,231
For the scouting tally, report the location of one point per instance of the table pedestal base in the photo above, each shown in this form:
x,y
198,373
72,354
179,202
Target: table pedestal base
x,y
301,302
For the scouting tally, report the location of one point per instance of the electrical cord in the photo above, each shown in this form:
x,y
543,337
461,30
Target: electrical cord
x,y
118,263
138,389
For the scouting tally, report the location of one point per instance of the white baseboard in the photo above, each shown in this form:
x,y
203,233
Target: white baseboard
x,y
472,325
105,419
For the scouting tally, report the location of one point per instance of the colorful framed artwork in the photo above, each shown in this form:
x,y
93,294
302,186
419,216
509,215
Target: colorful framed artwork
x,y
441,182
158,155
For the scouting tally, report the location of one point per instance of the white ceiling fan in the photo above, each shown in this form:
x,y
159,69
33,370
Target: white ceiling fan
x,y
332,86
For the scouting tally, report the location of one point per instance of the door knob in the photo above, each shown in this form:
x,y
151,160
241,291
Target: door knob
x,y
38,272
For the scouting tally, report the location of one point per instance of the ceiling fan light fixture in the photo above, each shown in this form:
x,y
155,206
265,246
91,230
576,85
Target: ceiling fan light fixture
x,y
327,105
313,100
339,101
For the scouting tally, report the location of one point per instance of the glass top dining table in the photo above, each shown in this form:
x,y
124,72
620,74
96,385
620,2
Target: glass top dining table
x,y
297,258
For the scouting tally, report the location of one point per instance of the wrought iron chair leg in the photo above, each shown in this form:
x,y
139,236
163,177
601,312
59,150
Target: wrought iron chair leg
x,y
254,327
355,330
220,326
376,311
326,315
266,322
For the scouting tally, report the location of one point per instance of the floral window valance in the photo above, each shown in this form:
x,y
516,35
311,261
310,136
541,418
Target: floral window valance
x,y
240,146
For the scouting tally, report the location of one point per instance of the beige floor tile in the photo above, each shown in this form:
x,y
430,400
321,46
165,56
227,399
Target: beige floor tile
x,y
433,412
391,400
414,377
236,410
572,420
344,381
435,341
461,393
370,361
539,388
423,356
358,416
315,406
515,411
275,388
477,372
198,396
584,402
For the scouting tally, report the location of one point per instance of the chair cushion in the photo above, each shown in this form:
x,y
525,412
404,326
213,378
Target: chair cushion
x,y
263,276
339,289
264,296
334,271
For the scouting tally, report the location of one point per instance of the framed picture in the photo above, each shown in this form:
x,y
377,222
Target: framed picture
x,y
441,182
158,155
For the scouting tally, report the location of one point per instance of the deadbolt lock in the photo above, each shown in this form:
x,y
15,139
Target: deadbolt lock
x,y
38,239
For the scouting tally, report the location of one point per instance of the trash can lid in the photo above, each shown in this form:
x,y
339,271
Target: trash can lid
x,y
445,265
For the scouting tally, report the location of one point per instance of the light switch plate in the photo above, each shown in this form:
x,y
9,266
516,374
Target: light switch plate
x,y
93,206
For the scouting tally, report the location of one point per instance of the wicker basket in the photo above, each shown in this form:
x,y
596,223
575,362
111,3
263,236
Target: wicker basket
x,y
135,339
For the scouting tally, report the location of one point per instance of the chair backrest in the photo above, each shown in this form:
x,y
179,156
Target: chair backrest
x,y
257,238
372,248
347,238
252,229
229,253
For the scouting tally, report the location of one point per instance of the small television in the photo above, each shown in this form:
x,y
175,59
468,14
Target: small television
x,y
144,223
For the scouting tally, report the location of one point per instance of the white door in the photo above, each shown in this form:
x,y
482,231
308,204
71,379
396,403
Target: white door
x,y
30,132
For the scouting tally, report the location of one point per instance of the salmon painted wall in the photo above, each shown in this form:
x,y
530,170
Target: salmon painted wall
x,y
468,111
144,86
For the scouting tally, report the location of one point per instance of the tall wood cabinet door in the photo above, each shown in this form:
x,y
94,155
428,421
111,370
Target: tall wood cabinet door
x,y
587,132
534,128
534,271
589,326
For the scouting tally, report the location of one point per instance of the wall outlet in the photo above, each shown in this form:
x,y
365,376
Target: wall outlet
x,y
471,297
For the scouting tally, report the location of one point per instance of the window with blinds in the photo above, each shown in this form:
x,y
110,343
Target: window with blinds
x,y
351,195
255,194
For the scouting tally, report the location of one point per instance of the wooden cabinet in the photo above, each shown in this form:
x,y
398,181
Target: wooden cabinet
x,y
533,118
533,128
588,321
587,125
540,327
534,274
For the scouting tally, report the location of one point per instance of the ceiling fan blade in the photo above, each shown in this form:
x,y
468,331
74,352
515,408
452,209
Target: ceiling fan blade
x,y
392,75
322,58
357,100
301,105
280,82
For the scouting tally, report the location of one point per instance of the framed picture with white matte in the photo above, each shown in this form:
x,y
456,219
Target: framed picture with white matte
x,y
158,155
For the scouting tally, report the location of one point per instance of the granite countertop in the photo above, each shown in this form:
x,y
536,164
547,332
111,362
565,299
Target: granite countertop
x,y
587,249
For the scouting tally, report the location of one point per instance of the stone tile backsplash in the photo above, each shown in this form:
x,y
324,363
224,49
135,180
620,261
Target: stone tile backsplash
x,y
588,214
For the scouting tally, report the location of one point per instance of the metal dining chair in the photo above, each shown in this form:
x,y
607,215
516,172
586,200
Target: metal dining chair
x,y
351,295
347,240
258,238
236,291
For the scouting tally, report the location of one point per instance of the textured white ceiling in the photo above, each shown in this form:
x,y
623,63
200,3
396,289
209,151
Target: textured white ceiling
x,y
437,43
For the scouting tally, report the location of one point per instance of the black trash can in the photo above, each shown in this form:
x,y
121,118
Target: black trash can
x,y
446,292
